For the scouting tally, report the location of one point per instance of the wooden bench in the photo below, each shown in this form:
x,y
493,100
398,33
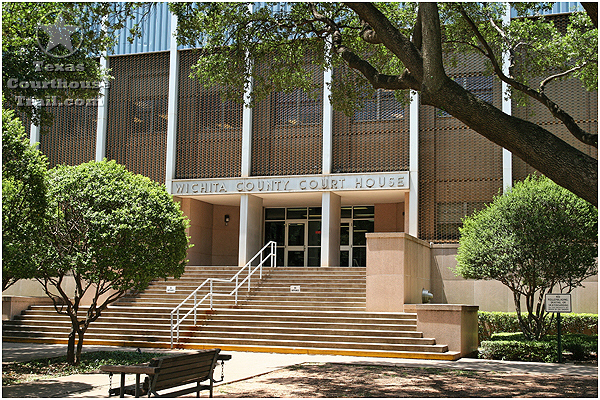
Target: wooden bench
x,y
170,372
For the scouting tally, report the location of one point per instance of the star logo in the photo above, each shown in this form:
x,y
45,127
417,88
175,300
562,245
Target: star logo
x,y
55,39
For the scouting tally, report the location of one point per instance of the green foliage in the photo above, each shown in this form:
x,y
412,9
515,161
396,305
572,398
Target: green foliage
x,y
493,323
514,347
113,228
91,362
23,201
282,39
537,238
20,50
281,44
112,231
515,350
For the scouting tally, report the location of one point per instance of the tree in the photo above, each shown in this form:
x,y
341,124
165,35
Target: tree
x,y
112,231
23,201
30,71
409,46
538,238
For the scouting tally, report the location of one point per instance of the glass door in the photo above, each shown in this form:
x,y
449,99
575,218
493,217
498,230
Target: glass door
x,y
355,223
296,244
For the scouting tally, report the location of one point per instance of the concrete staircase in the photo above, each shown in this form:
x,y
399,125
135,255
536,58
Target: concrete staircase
x,y
326,316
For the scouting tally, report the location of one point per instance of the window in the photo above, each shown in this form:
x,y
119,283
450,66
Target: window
x,y
382,107
480,86
295,108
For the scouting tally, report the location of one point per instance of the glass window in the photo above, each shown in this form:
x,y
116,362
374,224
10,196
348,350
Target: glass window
x,y
346,212
360,228
297,213
296,234
314,213
314,233
345,234
275,231
314,257
274,213
364,212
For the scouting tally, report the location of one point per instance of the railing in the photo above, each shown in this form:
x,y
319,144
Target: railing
x,y
272,256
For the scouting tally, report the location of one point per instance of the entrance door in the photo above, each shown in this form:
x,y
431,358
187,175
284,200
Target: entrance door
x,y
295,250
303,244
355,223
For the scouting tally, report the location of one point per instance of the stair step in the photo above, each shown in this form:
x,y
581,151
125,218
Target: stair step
x,y
327,316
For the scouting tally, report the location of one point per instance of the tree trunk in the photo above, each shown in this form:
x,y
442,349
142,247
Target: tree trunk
x,y
71,348
79,346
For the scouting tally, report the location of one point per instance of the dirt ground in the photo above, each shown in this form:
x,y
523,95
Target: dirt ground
x,y
338,380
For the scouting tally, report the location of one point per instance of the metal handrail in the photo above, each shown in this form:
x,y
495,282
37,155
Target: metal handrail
x,y
271,256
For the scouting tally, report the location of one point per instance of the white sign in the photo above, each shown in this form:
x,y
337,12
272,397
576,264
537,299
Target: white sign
x,y
295,289
171,289
558,303
292,184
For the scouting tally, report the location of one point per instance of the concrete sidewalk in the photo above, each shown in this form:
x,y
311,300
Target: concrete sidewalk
x,y
242,366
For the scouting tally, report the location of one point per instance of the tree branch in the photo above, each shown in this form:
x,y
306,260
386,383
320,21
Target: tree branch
x,y
376,79
434,76
540,96
391,38
560,75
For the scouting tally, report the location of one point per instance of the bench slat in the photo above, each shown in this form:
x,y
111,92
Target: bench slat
x,y
202,359
172,379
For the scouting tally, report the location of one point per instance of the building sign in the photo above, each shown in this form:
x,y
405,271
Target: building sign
x,y
558,303
292,184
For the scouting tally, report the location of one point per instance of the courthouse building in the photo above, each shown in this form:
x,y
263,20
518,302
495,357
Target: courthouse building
x,y
295,171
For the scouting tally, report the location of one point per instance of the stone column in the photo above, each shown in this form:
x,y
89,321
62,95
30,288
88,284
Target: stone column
x,y
251,212
330,229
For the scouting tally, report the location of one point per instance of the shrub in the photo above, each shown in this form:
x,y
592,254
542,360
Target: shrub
x,y
512,346
516,350
496,322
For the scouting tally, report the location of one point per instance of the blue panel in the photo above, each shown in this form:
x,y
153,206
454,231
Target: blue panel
x,y
155,29
558,8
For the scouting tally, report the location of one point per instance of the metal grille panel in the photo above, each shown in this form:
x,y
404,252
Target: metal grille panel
x,y
209,129
459,170
374,139
580,104
71,139
137,113
287,132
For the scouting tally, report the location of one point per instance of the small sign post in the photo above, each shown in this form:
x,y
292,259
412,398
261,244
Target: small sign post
x,y
295,289
558,303
171,289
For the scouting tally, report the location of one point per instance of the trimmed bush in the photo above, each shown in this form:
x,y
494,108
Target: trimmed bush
x,y
515,350
513,347
496,322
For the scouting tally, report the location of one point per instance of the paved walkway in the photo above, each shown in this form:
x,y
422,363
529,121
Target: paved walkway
x,y
241,366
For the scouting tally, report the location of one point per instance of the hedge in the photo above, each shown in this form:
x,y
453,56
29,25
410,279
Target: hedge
x,y
496,322
513,347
